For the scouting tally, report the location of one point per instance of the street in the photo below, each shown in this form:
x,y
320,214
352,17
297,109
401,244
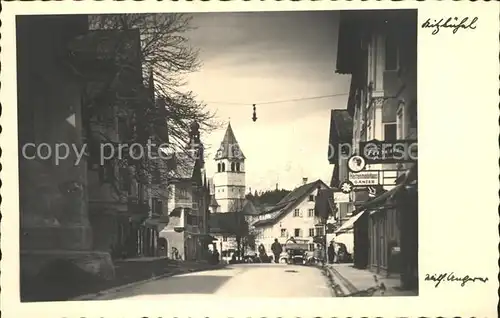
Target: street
x,y
242,280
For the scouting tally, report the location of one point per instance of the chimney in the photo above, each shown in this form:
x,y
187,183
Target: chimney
x,y
304,180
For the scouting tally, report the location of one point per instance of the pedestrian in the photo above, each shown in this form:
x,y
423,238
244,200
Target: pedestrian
x,y
319,254
262,254
331,253
277,249
215,256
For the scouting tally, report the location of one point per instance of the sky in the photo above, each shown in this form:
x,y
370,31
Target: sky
x,y
251,58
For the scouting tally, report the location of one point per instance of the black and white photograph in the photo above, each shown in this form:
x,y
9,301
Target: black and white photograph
x,y
233,154
204,147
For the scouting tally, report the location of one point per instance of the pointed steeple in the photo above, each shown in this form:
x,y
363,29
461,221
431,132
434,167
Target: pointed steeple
x,y
229,148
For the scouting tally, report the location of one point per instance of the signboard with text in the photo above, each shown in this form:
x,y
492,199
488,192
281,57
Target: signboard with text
x,y
397,151
340,197
364,178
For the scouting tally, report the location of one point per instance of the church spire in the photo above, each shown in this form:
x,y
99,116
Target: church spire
x,y
229,147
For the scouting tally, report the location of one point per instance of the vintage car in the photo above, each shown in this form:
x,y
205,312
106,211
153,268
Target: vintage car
x,y
295,253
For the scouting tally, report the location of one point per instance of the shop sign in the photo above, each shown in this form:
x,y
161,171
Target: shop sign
x,y
341,197
398,151
364,178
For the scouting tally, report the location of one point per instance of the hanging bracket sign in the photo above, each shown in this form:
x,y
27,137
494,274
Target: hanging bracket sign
x,y
398,151
341,197
364,178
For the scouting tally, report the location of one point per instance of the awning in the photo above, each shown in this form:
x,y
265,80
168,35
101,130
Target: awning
x,y
381,199
156,224
350,223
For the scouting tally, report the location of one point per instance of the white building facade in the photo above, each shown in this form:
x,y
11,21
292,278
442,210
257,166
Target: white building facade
x,y
294,216
229,180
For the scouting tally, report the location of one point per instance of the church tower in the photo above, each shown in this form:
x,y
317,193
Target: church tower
x,y
229,180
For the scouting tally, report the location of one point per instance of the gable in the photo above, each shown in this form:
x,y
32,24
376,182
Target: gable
x,y
289,203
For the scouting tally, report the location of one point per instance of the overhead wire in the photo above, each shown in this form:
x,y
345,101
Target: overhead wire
x,y
277,101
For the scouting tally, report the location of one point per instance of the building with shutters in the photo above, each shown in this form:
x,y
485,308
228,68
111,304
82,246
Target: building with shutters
x,y
187,203
293,216
379,50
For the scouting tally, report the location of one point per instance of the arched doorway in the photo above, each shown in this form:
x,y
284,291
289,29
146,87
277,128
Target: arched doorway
x,y
162,247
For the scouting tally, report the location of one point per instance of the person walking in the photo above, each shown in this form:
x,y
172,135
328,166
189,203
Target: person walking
x,y
331,253
215,256
277,249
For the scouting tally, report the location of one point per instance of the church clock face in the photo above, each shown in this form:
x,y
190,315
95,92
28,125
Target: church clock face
x,y
219,153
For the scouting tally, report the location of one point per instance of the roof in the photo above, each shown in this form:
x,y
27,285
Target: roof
x,y
324,205
289,202
254,207
229,147
213,202
180,166
116,45
340,132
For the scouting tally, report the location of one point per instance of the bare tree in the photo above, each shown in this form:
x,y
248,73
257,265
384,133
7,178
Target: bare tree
x,y
146,86
165,51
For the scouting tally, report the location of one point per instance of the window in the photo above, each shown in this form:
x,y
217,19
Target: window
x,y
223,167
319,231
310,213
182,193
297,233
125,181
391,54
219,167
157,206
311,247
400,123
238,167
156,176
311,232
296,213
224,238
283,233
311,198
390,131
232,166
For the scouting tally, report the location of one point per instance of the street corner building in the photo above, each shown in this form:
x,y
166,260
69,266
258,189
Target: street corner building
x,y
380,215
78,217
54,202
188,199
